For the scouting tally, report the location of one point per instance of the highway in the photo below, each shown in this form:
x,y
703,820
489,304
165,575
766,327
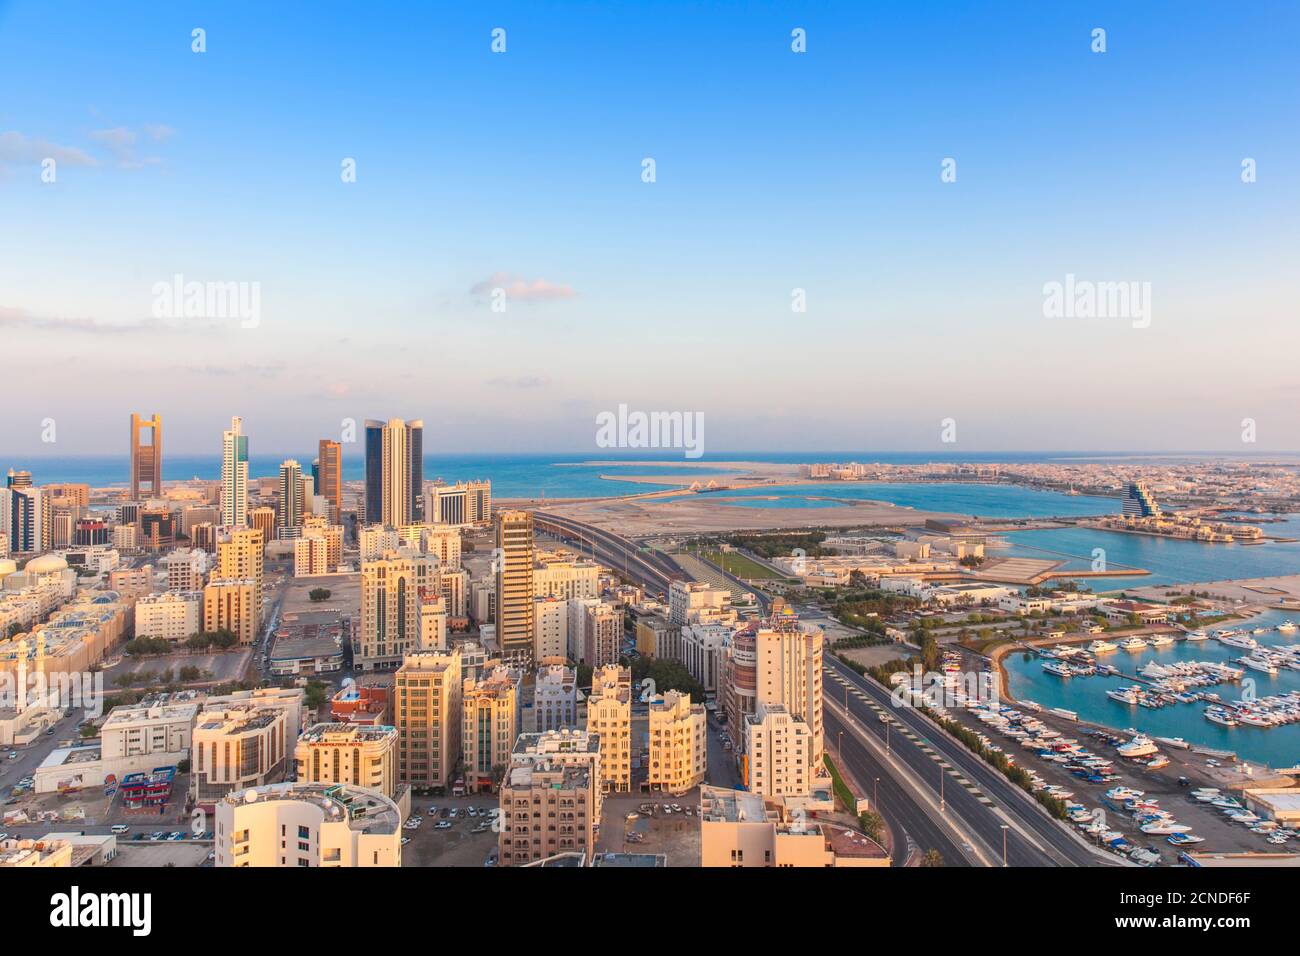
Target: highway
x,y
977,793
651,570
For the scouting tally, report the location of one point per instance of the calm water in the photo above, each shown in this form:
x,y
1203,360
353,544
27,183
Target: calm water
x,y
1086,696
1170,560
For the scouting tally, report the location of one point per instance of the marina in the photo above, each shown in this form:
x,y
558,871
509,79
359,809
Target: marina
x,y
1235,691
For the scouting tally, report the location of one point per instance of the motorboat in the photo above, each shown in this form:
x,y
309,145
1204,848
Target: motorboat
x,y
1133,643
1139,746
1100,646
1233,639
1059,669
1161,640
1196,636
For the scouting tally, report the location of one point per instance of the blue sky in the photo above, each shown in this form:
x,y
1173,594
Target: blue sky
x,y
775,171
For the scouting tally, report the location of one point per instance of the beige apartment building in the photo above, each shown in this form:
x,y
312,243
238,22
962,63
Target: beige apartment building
x,y
364,756
489,726
240,558
427,711
609,717
738,828
678,743
789,674
232,604
546,808
306,825
238,747
172,615
390,606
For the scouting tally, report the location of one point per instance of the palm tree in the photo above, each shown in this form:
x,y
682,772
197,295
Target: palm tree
x,y
932,858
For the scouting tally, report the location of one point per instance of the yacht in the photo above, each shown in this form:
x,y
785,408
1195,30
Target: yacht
x,y
1139,746
1185,839
1102,647
1233,639
1164,827
1161,640
1288,626
1196,636
1217,715
1059,669
1125,696
1133,643
1258,664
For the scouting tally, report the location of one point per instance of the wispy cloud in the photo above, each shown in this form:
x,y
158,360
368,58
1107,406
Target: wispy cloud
x,y
524,290
122,141
17,149
14,318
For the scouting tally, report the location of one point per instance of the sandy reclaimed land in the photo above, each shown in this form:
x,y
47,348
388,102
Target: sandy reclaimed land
x,y
710,513
1257,593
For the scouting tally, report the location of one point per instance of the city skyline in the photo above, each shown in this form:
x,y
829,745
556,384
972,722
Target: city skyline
x,y
776,172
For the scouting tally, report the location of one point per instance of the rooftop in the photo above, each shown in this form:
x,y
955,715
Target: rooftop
x,y
367,811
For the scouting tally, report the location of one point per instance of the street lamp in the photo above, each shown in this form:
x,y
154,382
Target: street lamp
x,y
839,748
1005,828
875,796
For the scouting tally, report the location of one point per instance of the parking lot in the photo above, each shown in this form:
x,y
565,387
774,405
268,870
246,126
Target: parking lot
x,y
662,825
442,839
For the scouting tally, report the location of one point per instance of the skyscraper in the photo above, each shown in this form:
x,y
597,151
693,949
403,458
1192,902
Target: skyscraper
x,y
329,476
513,563
146,456
291,494
394,471
234,475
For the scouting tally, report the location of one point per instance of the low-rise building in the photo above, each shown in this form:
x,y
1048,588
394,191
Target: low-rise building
x,y
306,825
364,756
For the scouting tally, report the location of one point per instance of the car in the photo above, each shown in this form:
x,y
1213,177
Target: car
x,y
157,835
432,811
119,828
455,812
4,836
212,856
50,731
176,835
140,836
472,811
405,840
13,755
444,825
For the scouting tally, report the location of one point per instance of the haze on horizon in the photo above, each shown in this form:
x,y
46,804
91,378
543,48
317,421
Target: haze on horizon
x,y
775,171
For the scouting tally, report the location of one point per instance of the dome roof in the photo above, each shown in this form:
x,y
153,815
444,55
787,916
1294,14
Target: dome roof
x,y
46,564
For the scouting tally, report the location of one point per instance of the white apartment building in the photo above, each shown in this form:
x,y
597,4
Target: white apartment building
x,y
701,652
694,602
555,698
780,753
172,616
306,825
568,577
186,569
550,628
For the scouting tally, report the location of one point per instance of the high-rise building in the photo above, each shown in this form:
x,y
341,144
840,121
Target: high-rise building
x,y
609,716
146,456
1139,502
329,476
291,496
394,472
27,510
789,673
513,560
240,555
428,688
234,475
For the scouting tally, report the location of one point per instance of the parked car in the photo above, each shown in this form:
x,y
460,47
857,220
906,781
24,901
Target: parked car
x,y
444,825
119,828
